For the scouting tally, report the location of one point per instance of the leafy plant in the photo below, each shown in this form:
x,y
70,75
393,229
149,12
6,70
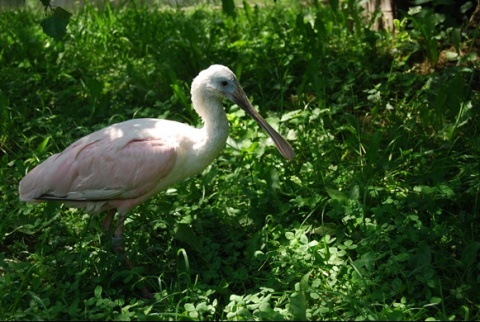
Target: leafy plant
x,y
56,25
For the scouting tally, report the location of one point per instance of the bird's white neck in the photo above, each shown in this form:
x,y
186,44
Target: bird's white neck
x,y
215,123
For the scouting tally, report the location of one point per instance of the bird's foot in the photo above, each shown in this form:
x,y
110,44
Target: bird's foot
x,y
118,245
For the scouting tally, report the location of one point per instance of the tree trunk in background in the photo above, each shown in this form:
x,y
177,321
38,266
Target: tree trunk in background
x,y
386,7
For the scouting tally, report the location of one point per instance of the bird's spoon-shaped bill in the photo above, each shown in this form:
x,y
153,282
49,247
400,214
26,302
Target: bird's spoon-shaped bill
x,y
240,98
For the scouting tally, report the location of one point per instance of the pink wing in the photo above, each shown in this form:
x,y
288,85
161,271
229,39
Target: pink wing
x,y
103,169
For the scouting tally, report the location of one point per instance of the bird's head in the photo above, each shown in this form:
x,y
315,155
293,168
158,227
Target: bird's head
x,y
219,82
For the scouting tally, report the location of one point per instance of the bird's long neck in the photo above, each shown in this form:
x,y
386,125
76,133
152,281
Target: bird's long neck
x,y
215,123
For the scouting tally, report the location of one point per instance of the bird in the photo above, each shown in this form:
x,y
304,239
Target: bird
x,y
122,165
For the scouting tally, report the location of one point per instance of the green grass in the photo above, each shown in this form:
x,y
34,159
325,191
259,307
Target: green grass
x,y
376,218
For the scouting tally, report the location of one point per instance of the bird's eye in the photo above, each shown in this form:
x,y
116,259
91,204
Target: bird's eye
x,y
224,83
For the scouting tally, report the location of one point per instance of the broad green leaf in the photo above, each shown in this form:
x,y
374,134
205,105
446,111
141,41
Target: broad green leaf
x,y
298,306
337,195
334,4
248,14
98,292
185,234
228,7
435,300
402,257
56,25
470,254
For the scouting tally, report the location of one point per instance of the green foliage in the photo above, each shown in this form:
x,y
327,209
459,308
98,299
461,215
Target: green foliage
x,y
376,218
56,25
437,23
228,7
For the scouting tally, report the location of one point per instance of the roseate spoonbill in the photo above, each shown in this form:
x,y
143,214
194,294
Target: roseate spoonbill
x,y
118,167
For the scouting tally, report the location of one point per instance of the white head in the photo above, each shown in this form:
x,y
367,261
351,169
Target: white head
x,y
218,82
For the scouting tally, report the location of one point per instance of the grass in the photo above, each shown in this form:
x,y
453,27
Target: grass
x,y
376,218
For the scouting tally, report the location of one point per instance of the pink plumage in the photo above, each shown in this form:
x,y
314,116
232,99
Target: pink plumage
x,y
116,167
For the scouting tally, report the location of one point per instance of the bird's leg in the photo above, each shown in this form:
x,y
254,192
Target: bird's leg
x,y
107,222
119,247
118,241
